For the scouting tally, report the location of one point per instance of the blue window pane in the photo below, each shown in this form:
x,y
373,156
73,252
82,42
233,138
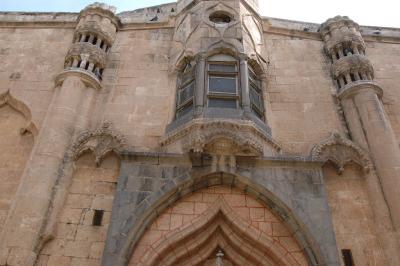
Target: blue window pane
x,y
222,103
186,93
222,68
222,85
185,110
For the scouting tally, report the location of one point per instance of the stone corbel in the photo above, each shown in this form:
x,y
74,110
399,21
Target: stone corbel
x,y
221,139
341,151
100,142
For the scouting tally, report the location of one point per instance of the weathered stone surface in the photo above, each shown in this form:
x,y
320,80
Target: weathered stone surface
x,y
75,139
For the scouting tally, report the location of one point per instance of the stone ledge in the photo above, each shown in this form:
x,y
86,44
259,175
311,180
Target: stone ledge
x,y
354,87
88,78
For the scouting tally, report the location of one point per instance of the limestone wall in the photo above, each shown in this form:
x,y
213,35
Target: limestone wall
x,y
300,107
137,100
76,241
353,218
385,59
31,57
142,92
15,150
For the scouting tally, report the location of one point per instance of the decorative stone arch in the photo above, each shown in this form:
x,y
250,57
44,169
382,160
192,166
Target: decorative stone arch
x,y
218,227
149,209
100,142
341,151
197,135
21,107
224,47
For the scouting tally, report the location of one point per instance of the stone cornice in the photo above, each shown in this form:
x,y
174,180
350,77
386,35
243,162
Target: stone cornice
x,y
270,25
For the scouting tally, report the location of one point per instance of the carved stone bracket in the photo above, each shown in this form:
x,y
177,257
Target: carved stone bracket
x,y
96,55
350,64
100,141
341,151
241,138
7,98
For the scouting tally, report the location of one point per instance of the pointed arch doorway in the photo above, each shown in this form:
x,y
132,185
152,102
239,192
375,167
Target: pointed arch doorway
x,y
218,225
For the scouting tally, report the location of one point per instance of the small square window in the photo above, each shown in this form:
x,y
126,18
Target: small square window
x,y
97,217
347,257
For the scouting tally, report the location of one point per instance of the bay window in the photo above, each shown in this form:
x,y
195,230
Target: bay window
x,y
222,82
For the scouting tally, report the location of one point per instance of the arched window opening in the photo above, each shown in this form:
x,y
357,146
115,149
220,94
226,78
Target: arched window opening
x,y
185,91
256,96
220,17
222,87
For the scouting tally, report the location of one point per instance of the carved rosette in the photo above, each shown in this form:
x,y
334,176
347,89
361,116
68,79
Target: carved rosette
x,y
341,151
100,142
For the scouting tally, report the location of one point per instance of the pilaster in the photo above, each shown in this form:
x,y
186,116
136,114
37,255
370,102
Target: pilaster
x,y
75,87
368,123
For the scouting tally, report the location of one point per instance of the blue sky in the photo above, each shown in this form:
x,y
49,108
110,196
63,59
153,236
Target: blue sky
x,y
376,13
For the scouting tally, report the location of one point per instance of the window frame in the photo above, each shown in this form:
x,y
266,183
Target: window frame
x,y
223,74
255,84
185,79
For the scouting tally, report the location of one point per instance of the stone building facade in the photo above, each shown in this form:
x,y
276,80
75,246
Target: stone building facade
x,y
197,133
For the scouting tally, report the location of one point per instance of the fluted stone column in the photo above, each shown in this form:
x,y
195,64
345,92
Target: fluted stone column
x,y
369,125
75,88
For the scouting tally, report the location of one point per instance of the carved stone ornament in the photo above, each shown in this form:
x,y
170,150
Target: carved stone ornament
x,y
341,31
221,137
100,141
351,64
96,55
341,151
7,98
